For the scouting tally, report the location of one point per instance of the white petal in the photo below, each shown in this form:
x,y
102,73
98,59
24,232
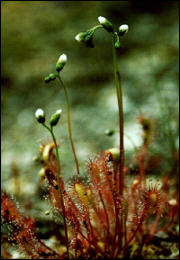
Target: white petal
x,y
77,38
59,111
39,112
124,27
101,19
63,58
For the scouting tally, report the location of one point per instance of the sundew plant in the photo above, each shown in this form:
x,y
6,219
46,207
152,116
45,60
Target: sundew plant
x,y
105,215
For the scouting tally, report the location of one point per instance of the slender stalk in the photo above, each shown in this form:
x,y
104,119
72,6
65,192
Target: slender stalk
x,y
97,27
59,184
121,119
121,140
69,125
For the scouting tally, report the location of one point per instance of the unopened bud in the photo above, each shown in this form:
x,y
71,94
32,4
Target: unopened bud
x,y
86,37
55,117
114,154
42,173
40,115
47,212
105,23
52,76
109,132
123,29
79,37
47,79
61,62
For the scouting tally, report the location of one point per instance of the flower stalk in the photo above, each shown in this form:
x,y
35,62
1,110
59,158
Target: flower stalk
x,y
121,118
69,125
59,179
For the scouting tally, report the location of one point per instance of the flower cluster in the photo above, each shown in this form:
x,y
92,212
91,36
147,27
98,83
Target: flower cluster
x,y
59,66
87,36
40,116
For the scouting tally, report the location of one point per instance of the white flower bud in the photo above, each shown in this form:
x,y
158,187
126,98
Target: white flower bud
x,y
101,19
123,29
47,212
55,117
63,59
86,37
78,37
59,111
40,115
109,132
61,62
114,154
105,23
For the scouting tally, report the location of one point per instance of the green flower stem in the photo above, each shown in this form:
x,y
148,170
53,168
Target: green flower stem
x,y
69,125
59,184
97,27
121,119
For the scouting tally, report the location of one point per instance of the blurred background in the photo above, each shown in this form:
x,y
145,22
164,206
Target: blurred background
x,y
35,33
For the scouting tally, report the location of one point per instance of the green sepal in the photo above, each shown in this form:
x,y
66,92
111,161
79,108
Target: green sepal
x,y
59,67
41,119
108,26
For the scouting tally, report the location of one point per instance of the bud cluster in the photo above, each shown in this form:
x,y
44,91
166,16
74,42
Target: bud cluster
x,y
87,36
59,66
49,78
40,116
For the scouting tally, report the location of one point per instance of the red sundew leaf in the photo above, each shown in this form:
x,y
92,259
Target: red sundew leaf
x,y
95,172
107,194
82,200
107,171
22,233
103,184
33,247
26,241
9,211
73,213
95,207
